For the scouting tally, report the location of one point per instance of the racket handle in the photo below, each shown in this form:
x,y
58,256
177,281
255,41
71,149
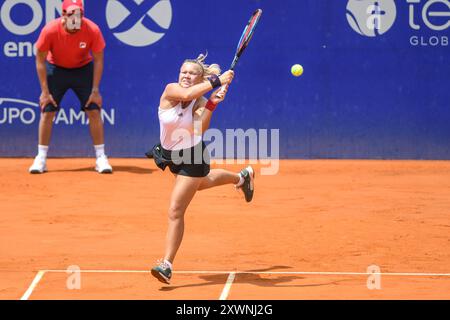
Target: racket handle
x,y
225,86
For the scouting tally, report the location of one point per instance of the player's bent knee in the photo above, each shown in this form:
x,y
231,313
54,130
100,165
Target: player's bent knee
x,y
176,212
206,183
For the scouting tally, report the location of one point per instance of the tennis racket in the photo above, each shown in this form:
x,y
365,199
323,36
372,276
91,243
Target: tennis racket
x,y
246,36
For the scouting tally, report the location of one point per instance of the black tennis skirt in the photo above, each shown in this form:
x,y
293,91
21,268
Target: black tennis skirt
x,y
191,162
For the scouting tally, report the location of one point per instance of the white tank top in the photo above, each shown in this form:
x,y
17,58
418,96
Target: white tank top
x,y
176,127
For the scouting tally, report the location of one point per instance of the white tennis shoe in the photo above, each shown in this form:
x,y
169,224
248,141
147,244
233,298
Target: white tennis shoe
x,y
102,165
39,165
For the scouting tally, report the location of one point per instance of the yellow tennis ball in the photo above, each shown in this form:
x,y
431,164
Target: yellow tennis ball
x,y
297,70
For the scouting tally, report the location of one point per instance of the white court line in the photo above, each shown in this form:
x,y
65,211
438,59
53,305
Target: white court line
x,y
33,285
410,274
226,289
232,275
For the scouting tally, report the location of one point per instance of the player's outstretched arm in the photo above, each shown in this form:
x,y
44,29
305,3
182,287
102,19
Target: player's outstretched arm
x,y
174,91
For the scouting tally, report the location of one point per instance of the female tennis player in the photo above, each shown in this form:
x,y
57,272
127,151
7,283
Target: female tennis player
x,y
184,114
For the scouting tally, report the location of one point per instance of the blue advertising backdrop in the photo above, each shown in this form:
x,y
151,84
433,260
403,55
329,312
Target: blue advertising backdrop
x,y
380,92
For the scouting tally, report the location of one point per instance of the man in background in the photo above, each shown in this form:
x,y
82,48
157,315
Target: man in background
x,y
70,56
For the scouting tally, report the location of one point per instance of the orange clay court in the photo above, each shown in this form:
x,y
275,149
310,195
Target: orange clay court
x,y
311,232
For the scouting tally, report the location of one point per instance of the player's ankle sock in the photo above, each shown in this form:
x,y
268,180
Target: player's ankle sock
x,y
168,263
99,150
42,151
241,181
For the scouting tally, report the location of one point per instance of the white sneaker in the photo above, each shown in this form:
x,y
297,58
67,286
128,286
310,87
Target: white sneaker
x,y
102,165
39,165
248,187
